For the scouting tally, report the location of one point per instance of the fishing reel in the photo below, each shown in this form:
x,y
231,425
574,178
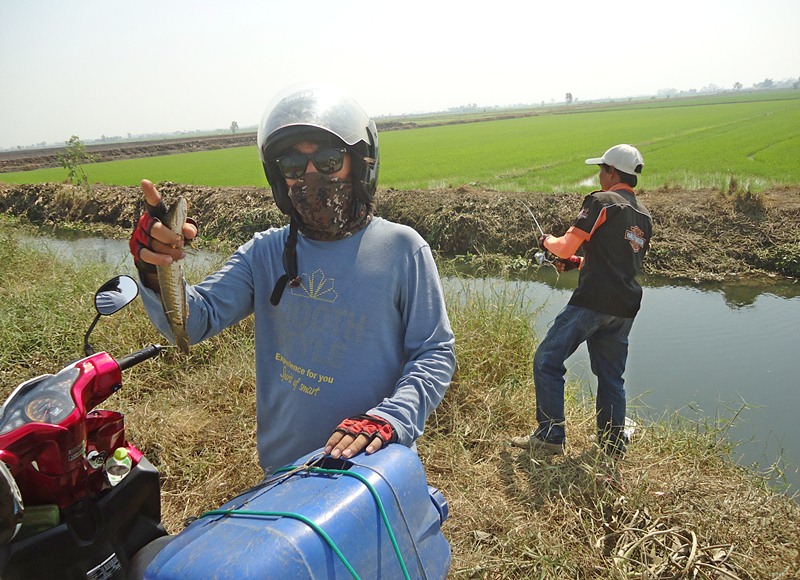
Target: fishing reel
x,y
541,257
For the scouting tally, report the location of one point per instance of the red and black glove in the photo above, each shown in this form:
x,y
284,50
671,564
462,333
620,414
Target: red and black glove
x,y
571,263
369,425
141,238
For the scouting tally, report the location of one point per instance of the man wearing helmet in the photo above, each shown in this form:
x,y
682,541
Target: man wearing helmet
x,y
354,348
614,228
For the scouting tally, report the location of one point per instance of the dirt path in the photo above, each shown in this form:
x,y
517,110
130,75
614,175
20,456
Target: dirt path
x,y
699,235
27,159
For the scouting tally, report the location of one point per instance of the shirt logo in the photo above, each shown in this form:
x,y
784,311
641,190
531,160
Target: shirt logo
x,y
317,286
636,238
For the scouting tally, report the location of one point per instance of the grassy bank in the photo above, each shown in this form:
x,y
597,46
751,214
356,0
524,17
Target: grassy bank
x,y
686,510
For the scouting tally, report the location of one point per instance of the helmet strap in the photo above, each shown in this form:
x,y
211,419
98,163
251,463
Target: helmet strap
x,y
289,263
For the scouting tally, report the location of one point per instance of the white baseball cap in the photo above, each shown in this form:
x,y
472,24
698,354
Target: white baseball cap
x,y
625,158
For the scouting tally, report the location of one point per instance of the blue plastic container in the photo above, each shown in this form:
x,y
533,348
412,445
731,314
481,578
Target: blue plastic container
x,y
315,504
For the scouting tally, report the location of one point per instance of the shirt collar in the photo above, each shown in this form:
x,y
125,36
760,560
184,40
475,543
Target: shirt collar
x,y
624,186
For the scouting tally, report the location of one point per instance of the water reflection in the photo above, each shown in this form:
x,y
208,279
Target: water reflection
x,y
75,246
738,293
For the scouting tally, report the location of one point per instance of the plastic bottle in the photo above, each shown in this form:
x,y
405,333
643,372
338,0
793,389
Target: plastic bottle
x,y
39,518
118,466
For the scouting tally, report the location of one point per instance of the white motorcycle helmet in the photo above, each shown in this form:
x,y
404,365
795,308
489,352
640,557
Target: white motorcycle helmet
x,y
11,508
305,113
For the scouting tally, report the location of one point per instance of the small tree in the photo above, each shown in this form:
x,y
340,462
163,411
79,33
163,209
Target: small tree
x,y
234,127
568,98
737,86
72,159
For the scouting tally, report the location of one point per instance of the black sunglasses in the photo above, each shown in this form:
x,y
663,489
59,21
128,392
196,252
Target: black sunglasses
x,y
293,165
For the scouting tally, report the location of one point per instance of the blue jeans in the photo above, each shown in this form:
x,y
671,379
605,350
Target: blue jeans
x,y
606,337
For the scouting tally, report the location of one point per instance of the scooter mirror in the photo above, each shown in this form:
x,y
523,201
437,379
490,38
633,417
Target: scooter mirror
x,y
115,295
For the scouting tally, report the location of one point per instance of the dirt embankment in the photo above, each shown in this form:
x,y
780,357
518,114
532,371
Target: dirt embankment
x,y
700,235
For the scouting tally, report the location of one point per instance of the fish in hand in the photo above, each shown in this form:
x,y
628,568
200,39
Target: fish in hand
x,y
171,279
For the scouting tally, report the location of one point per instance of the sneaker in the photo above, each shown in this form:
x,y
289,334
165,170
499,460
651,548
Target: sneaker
x,y
616,450
614,442
533,443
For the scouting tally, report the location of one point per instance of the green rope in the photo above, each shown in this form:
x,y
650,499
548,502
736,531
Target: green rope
x,y
300,517
319,530
378,501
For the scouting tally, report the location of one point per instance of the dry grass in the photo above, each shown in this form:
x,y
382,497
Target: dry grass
x,y
684,509
196,423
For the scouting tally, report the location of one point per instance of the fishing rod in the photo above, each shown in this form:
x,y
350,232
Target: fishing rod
x,y
541,255
541,231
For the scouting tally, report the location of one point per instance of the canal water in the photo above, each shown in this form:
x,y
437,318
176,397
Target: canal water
x,y
708,352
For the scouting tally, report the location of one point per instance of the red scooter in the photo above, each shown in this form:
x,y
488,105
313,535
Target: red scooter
x,y
61,515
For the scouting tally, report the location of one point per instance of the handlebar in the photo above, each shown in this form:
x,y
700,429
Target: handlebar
x,y
142,355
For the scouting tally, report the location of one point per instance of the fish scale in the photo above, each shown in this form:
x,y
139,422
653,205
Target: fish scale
x,y
172,282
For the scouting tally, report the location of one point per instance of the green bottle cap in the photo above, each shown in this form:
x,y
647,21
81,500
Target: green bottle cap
x,y
120,454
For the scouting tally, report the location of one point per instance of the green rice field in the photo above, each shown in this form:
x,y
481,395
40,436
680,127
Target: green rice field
x,y
753,139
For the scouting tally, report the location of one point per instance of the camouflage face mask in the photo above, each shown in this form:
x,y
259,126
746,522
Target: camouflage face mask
x,y
327,207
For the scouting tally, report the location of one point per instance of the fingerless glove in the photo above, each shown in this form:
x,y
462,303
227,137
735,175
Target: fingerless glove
x,y
369,425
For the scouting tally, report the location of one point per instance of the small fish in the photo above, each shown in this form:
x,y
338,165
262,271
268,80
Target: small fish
x,y
171,280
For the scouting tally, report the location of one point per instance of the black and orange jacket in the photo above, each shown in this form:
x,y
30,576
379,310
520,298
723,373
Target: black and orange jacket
x,y
615,229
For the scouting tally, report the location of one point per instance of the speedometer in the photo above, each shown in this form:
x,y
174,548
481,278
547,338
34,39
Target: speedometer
x,y
45,399
48,407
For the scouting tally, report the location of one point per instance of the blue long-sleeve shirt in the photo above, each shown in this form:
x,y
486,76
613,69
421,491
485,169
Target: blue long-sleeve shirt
x,y
366,331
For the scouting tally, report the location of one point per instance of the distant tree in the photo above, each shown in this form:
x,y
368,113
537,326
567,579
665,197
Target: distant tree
x,y
765,84
72,159
234,127
568,98
737,86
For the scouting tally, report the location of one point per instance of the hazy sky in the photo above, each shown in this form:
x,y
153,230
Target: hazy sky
x,y
92,68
